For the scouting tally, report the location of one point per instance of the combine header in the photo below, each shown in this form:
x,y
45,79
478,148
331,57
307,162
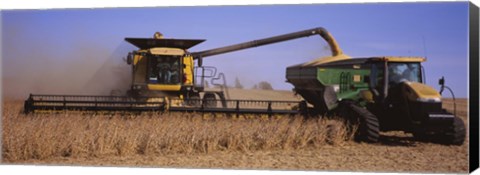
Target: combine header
x,y
89,103
125,103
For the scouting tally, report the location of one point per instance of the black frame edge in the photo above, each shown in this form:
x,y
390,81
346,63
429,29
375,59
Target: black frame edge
x,y
474,87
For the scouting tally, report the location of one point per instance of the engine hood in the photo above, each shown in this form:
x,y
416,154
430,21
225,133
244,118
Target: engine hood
x,y
421,92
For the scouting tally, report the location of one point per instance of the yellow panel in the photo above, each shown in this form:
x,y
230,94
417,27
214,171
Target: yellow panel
x,y
164,87
136,59
416,90
405,59
356,78
188,70
366,95
166,51
140,71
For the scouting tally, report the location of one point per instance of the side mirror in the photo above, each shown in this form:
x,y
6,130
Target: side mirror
x,y
129,58
441,81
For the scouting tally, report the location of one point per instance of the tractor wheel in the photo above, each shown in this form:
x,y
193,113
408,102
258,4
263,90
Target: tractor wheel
x,y
209,100
194,100
369,128
456,133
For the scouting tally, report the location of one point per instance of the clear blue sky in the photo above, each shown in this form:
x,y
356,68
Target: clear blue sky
x,y
71,45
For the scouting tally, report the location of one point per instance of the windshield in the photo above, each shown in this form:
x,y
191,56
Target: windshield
x,y
399,72
164,69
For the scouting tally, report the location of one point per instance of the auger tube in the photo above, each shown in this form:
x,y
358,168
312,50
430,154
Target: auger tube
x,y
275,39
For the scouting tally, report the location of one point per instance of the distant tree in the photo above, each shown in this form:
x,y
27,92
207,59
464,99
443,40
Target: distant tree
x,y
255,87
238,85
265,85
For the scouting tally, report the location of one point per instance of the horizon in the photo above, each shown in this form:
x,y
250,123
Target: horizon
x,y
84,48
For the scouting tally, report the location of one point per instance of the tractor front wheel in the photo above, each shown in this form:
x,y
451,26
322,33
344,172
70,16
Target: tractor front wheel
x,y
456,133
453,135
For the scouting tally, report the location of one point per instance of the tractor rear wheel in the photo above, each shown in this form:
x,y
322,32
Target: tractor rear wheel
x,y
369,128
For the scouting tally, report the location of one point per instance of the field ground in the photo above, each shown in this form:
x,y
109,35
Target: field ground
x,y
411,157
396,152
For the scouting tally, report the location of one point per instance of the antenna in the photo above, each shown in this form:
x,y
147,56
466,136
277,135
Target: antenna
x,y
424,46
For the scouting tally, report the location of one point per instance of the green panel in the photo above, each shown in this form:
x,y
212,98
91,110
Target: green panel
x,y
353,80
329,76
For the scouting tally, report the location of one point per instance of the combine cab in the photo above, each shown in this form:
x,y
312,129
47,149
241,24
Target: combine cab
x,y
163,68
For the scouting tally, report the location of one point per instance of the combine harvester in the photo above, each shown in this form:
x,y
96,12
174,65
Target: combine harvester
x,y
164,77
378,93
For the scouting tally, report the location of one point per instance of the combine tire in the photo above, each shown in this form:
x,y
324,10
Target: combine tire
x,y
368,129
209,100
194,100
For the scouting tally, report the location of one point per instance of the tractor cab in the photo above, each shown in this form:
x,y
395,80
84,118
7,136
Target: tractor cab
x,y
389,73
401,97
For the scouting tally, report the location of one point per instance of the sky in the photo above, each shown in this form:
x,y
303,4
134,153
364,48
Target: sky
x,y
82,50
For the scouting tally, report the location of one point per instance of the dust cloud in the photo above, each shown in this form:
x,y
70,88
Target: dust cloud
x,y
87,70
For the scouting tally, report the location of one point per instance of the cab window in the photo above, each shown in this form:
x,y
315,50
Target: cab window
x,y
164,69
400,72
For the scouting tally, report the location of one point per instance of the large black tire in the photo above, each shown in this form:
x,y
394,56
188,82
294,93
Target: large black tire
x,y
369,127
453,135
456,133
209,100
193,100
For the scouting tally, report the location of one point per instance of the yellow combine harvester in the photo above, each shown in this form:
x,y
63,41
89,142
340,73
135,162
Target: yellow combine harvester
x,y
164,76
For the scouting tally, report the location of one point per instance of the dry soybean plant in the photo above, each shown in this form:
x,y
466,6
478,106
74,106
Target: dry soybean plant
x,y
76,134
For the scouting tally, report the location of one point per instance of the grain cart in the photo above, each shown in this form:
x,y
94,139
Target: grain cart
x,y
381,93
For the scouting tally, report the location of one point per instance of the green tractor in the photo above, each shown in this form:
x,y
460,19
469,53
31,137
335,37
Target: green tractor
x,y
380,93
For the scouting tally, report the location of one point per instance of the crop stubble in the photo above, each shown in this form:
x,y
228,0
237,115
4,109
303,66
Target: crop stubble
x,y
196,141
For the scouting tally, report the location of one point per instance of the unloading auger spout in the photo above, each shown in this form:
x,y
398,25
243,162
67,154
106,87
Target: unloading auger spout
x,y
335,49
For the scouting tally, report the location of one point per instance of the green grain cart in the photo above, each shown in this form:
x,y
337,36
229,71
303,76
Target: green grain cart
x,y
380,93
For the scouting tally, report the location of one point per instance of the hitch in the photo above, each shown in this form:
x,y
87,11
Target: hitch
x,y
441,82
